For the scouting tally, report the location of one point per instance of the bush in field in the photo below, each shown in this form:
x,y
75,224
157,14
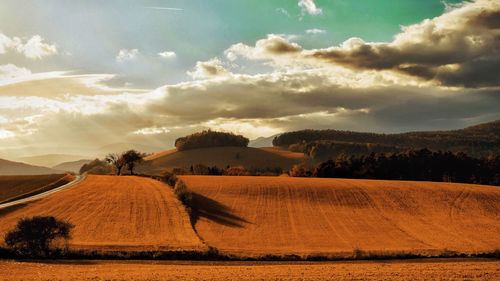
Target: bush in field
x,y
97,167
183,194
210,139
170,178
33,237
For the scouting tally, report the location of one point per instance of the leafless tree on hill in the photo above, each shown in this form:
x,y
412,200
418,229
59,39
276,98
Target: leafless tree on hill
x,y
117,161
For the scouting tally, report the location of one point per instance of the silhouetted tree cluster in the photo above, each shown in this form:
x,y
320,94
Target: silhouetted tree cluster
x,y
210,139
200,169
34,237
323,150
117,161
127,159
416,165
478,141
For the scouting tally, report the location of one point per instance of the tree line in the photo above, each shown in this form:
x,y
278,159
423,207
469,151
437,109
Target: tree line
x,y
210,138
478,141
418,165
200,169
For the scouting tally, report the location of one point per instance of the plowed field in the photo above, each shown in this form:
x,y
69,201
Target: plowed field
x,y
313,216
150,270
116,213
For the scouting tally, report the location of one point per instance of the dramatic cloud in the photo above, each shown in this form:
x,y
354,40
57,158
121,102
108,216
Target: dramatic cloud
x,y
167,55
364,86
458,48
278,100
127,55
33,48
254,105
207,69
309,7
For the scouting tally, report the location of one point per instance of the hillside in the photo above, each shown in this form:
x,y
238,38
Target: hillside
x,y
479,140
221,157
11,168
116,213
50,160
311,216
72,166
15,186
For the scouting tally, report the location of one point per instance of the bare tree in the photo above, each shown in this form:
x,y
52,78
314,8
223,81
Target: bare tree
x,y
117,161
131,157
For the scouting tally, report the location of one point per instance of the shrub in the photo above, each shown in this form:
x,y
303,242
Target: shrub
x,y
210,139
183,194
33,237
170,178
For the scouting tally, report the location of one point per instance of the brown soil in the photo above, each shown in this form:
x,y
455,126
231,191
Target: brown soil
x,y
134,270
251,216
116,213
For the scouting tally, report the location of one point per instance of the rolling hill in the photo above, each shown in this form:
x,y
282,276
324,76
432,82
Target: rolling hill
x,y
116,213
50,160
10,168
72,166
252,216
476,141
221,157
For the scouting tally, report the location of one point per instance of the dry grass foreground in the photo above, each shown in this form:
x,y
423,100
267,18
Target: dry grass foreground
x,y
150,270
14,186
116,213
248,157
253,216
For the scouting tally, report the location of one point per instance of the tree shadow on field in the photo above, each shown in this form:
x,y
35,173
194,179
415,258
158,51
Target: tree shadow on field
x,y
204,207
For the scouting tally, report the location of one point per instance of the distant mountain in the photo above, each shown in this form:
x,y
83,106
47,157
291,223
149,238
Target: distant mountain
x,y
11,168
479,140
121,147
72,166
50,160
262,142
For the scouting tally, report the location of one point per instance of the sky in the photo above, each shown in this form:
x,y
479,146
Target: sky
x,y
76,76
